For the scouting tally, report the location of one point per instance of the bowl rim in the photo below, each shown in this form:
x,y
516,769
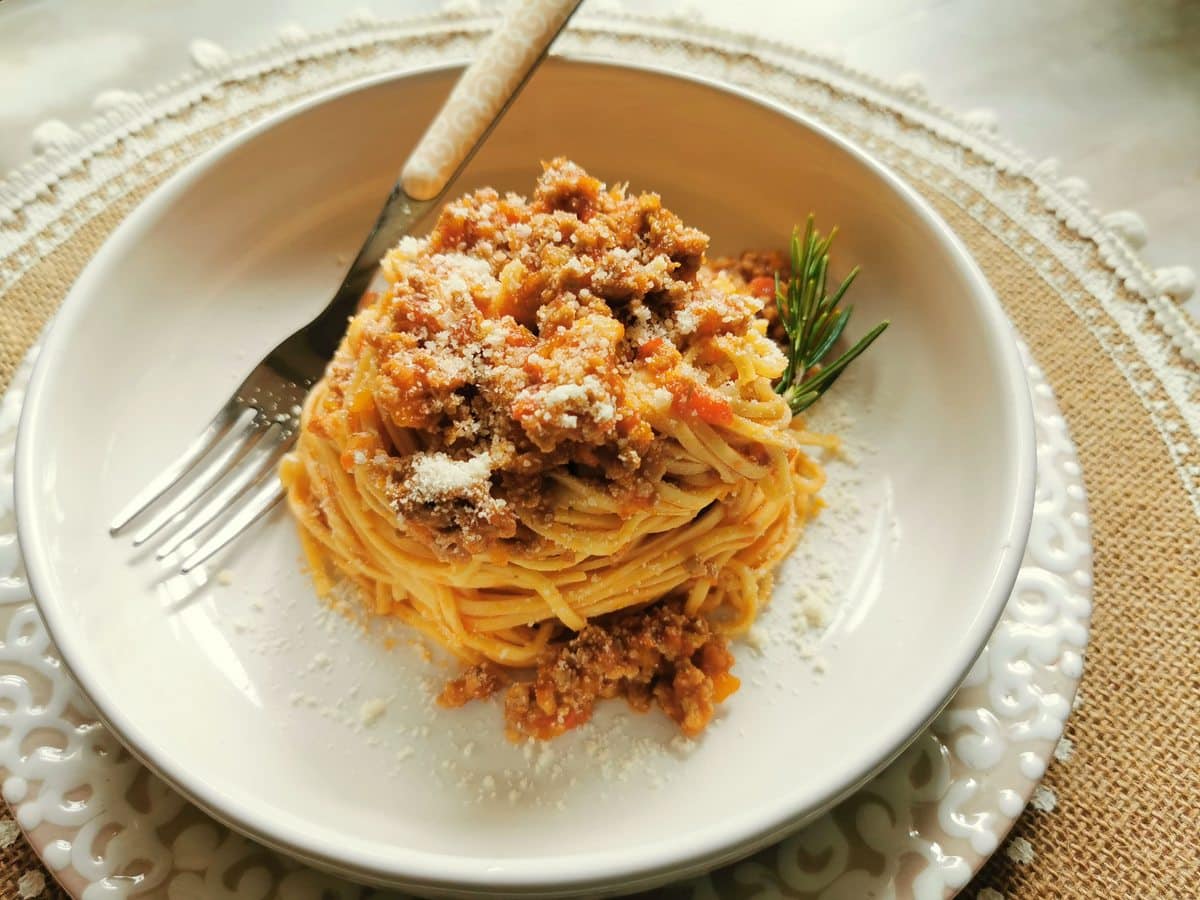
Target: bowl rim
x,y
710,846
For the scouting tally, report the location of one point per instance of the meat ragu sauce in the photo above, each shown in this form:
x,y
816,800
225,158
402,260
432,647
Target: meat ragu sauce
x,y
654,655
525,339
535,337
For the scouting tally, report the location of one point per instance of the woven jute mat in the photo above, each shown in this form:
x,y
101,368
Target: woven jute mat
x,y
1119,355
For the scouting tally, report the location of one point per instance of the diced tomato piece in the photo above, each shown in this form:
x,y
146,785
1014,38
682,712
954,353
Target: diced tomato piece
x,y
724,685
658,355
650,348
701,402
763,286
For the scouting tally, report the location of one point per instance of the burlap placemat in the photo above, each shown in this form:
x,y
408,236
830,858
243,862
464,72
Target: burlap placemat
x,y
1126,777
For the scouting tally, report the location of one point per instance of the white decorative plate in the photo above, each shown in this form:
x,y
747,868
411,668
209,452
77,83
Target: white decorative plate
x,y
103,823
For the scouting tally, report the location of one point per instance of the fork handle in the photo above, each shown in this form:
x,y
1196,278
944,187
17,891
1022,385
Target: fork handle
x,y
483,93
504,63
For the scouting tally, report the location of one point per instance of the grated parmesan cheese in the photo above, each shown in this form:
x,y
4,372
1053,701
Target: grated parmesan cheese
x,y
372,711
456,284
565,393
687,321
436,475
410,246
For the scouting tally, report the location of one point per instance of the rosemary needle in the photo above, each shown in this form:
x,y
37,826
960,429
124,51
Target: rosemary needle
x,y
813,320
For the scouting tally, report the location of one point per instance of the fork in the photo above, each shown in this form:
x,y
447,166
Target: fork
x,y
225,480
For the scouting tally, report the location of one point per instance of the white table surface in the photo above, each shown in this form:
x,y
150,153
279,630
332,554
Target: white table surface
x,y
1109,87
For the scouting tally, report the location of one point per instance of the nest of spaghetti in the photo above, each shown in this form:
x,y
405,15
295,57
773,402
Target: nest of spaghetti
x,y
553,445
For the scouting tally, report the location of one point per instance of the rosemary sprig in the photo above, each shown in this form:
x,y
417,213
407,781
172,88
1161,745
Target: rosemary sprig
x,y
813,320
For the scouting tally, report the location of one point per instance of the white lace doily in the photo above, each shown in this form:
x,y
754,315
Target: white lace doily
x,y
107,827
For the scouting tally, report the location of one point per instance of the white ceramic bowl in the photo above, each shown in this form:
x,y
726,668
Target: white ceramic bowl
x,y
246,702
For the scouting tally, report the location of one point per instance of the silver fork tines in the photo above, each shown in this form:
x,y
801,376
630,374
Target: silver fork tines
x,y
226,479
257,503
256,463
202,476
165,479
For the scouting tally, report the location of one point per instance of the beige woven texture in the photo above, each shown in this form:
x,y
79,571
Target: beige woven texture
x,y
1127,821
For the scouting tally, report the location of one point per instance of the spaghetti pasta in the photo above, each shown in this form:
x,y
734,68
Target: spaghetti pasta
x,y
557,410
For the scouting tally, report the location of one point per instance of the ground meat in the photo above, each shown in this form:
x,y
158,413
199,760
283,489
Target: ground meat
x,y
754,264
654,655
476,683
